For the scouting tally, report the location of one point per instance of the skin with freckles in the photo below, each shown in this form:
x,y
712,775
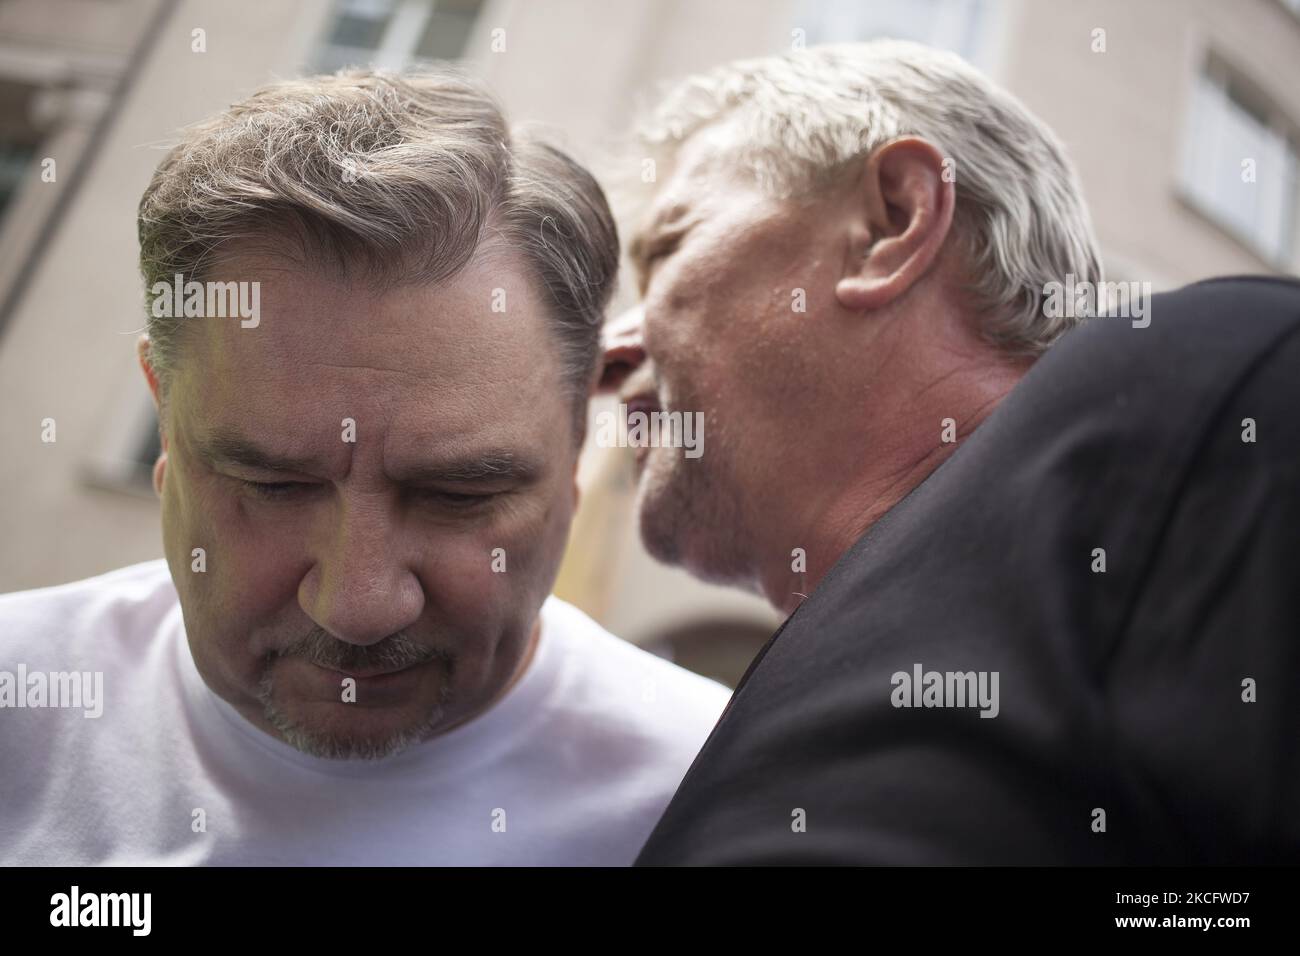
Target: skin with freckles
x,y
372,559
818,420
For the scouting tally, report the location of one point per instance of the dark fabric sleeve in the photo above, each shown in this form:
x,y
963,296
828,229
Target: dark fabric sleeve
x,y
1120,691
1220,606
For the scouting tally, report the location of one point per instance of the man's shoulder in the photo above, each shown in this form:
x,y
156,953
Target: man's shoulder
x,y
1231,294
121,596
134,582
1104,431
631,690
1223,291
1203,337
1248,305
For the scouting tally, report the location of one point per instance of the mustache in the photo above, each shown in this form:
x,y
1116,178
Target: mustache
x,y
394,652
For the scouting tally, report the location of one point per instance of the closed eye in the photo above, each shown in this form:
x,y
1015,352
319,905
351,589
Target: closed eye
x,y
661,251
282,490
275,490
460,500
652,256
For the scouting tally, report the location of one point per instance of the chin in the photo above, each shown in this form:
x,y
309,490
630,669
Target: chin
x,y
674,535
352,745
354,735
659,516
685,524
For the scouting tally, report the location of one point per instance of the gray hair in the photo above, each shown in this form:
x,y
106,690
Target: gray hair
x,y
806,117
388,178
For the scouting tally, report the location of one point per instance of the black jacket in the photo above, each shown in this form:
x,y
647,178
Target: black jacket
x,y
1119,691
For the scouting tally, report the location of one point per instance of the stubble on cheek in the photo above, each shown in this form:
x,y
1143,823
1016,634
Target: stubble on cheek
x,y
691,513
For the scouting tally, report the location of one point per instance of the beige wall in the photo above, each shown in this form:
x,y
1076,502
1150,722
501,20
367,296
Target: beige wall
x,y
1122,113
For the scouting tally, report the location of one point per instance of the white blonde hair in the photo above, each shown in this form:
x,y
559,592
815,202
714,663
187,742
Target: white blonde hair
x,y
805,117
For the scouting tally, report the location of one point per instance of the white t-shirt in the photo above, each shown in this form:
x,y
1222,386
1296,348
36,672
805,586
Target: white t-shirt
x,y
573,766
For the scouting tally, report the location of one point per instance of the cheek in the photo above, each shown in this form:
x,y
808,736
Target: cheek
x,y
232,608
712,297
255,557
243,600
202,540
501,568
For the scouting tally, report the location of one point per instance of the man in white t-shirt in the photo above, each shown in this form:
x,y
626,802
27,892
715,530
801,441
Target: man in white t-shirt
x,y
373,320
573,765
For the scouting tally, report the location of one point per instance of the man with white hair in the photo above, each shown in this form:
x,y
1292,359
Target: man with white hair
x,y
1040,572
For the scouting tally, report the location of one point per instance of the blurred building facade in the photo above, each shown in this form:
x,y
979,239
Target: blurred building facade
x,y
1183,117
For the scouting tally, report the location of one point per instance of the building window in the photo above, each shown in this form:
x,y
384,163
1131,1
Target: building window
x,y
20,136
446,35
962,26
1240,163
396,34
15,165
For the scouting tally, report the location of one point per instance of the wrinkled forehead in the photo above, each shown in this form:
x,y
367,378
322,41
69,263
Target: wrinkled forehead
x,y
687,172
470,351
689,179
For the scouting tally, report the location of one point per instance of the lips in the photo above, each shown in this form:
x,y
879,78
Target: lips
x,y
639,391
647,402
366,674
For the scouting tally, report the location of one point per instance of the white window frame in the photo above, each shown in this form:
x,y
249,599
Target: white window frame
x,y
396,47
1212,75
848,20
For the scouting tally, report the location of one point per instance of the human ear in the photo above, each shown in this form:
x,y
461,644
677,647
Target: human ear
x,y
907,201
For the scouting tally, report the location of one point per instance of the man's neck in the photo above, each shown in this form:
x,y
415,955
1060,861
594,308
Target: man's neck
x,y
850,510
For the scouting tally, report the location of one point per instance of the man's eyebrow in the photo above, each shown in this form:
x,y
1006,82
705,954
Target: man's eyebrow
x,y
491,465
229,447
486,466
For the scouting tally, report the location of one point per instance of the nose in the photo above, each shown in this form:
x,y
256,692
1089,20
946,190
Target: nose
x,y
360,590
624,351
